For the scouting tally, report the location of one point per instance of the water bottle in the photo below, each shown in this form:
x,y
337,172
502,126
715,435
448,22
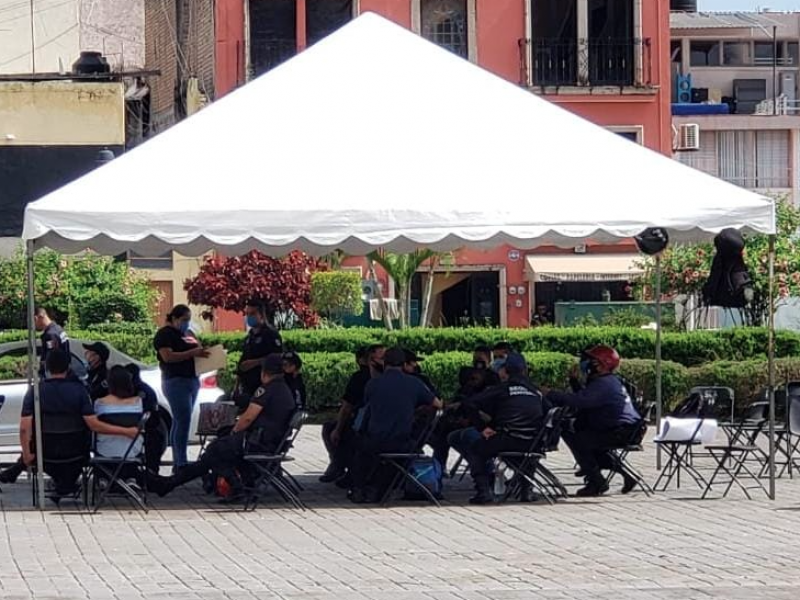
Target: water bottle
x,y
499,478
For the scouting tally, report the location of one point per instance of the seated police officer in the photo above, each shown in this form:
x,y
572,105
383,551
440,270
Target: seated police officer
x,y
261,428
605,418
97,355
338,435
292,365
390,404
516,411
261,341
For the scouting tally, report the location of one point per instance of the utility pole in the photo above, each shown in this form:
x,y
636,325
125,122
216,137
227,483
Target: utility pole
x,y
33,40
774,70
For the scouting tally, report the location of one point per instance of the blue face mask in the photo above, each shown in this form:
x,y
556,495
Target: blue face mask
x,y
251,320
184,327
586,367
497,364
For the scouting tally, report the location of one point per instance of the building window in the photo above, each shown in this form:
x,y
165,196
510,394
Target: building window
x,y
596,49
161,262
323,17
704,54
554,28
444,22
634,133
750,159
736,54
274,33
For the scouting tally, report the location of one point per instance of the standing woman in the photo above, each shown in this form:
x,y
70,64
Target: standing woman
x,y
176,353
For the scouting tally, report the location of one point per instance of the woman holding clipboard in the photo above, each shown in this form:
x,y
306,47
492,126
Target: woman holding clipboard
x,y
176,350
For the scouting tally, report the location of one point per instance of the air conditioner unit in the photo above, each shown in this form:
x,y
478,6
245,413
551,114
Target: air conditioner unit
x,y
369,289
689,137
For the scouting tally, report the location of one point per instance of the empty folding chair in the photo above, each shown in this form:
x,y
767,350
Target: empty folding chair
x,y
718,403
121,476
679,455
403,462
731,458
267,469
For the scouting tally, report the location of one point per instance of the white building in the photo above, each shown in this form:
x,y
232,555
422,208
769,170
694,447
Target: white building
x,y
727,70
41,36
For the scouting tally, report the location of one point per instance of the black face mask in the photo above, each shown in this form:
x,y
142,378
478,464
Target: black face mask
x,y
479,364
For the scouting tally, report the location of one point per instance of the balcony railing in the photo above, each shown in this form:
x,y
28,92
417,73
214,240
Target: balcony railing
x,y
268,54
612,62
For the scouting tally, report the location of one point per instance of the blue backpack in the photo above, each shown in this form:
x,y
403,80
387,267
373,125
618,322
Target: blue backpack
x,y
428,472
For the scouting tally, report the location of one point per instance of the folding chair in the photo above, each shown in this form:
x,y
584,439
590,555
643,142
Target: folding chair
x,y
791,429
527,467
269,471
619,458
718,403
64,446
402,463
679,458
109,469
731,458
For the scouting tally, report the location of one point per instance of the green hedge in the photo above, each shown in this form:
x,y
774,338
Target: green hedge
x,y
689,349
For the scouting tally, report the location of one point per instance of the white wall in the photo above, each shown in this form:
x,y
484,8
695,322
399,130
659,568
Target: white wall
x,y
62,28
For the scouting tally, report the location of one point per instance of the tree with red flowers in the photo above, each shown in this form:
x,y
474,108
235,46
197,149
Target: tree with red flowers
x,y
283,284
685,267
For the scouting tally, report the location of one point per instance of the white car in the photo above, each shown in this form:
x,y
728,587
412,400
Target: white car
x,y
13,391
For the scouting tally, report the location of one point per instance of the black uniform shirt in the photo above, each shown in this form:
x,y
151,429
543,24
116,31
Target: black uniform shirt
x,y
278,406
298,387
515,405
260,342
97,382
53,338
169,337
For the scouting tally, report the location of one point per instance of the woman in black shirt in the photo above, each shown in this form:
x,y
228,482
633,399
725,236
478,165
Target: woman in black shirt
x,y
176,353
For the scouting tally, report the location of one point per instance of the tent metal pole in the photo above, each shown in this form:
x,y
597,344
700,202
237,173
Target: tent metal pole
x,y
659,399
33,375
771,361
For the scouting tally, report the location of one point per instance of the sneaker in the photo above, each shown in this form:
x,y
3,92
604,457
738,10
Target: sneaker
x,y
481,499
330,475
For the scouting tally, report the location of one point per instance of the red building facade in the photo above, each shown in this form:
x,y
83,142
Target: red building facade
x,y
605,60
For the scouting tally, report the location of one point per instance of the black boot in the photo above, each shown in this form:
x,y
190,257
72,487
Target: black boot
x,y
595,486
483,491
11,474
332,473
189,472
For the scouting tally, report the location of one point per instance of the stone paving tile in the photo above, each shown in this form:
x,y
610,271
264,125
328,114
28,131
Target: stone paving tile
x,y
668,547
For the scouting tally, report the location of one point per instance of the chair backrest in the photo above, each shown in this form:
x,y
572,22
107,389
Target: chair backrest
x,y
718,402
299,417
551,432
793,420
64,437
427,431
140,426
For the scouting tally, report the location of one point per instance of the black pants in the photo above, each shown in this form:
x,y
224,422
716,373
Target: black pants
x,y
223,457
65,476
341,455
590,448
368,476
478,451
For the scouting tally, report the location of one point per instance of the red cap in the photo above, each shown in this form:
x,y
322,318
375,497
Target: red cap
x,y
605,355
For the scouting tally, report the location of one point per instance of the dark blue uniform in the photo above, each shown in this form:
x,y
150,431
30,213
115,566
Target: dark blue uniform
x,y
605,419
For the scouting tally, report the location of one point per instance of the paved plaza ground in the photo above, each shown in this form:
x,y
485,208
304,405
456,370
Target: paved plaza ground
x,y
671,546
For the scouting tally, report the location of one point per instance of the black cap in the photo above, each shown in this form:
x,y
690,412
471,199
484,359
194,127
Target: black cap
x,y
394,357
100,349
411,356
272,364
294,358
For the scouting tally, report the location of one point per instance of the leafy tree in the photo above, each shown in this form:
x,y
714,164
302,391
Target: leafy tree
x,y
336,294
685,268
401,268
80,291
284,284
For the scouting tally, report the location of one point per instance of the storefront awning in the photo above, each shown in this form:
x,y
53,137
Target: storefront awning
x,y
584,267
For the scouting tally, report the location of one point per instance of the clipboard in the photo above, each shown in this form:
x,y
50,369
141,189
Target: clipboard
x,y
216,360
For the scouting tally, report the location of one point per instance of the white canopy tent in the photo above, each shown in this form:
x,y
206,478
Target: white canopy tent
x,y
376,138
